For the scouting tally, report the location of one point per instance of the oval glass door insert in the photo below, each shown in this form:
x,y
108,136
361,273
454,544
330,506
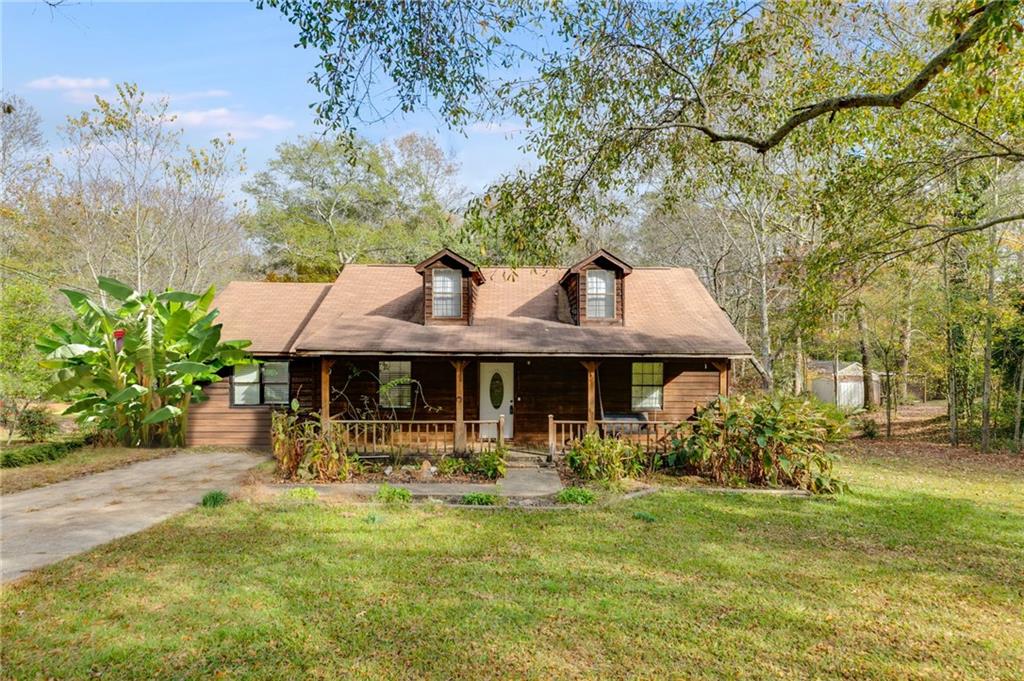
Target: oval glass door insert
x,y
497,390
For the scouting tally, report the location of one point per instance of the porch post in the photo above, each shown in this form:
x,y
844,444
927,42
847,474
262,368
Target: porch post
x,y
460,418
325,389
501,431
591,367
723,376
551,437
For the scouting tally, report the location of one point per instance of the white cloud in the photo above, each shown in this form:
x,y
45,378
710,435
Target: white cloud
x,y
240,124
496,127
68,83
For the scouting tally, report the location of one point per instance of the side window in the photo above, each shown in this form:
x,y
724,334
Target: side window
x,y
395,385
447,292
600,294
254,384
245,385
648,386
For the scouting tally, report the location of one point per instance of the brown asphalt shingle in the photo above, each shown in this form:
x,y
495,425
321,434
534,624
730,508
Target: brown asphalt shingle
x,y
379,308
270,314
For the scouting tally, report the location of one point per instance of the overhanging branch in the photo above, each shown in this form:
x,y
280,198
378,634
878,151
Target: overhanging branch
x,y
894,100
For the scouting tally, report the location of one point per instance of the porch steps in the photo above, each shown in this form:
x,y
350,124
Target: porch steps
x,y
519,459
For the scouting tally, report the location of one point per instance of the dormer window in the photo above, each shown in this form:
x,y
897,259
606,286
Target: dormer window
x,y
450,284
595,289
600,294
447,292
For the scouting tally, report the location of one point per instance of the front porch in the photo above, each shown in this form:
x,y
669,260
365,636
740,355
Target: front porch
x,y
435,405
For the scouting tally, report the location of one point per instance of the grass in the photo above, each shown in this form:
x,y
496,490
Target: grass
x,y
77,463
916,574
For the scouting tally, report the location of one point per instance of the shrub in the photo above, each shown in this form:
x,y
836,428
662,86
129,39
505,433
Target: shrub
x,y
576,495
215,498
869,427
304,452
393,496
490,464
451,465
46,451
645,516
37,424
772,440
479,499
609,459
303,495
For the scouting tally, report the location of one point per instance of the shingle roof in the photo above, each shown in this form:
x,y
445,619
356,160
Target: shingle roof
x,y
379,309
270,314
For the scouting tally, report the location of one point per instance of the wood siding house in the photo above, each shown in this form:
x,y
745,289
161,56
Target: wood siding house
x,y
453,352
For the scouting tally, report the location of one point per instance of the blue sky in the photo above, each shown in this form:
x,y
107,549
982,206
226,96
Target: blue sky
x,y
224,66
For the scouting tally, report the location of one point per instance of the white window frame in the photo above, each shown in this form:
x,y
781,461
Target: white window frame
x,y
397,396
606,299
255,375
647,381
449,299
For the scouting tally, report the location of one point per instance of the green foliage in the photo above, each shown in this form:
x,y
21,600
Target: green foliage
x,y
490,464
579,496
770,440
45,451
32,423
449,466
479,499
304,452
301,495
138,389
214,498
868,427
608,459
25,309
645,516
393,496
325,202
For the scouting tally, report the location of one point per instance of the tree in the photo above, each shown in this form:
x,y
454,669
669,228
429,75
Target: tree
x,y
323,203
634,87
132,201
25,308
133,371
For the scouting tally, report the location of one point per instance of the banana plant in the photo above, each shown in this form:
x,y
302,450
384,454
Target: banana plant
x,y
133,369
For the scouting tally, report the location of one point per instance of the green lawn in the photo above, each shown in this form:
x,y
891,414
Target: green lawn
x,y
919,573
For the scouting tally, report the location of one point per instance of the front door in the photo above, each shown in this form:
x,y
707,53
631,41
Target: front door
x,y
497,390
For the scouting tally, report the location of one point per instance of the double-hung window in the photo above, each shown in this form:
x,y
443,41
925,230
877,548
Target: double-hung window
x,y
265,383
447,291
648,386
395,385
600,294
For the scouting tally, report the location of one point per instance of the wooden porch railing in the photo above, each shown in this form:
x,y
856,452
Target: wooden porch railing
x,y
380,438
653,436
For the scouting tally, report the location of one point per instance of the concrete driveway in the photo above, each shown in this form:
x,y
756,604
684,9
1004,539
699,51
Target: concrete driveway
x,y
46,524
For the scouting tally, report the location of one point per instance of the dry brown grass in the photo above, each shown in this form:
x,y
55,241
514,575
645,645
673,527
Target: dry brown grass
x,y
80,462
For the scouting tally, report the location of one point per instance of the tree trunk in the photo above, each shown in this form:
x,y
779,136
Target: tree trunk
x,y
1016,411
906,329
865,357
767,373
986,390
798,366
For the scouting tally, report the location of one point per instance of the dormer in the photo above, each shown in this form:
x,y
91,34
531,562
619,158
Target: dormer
x,y
595,287
449,288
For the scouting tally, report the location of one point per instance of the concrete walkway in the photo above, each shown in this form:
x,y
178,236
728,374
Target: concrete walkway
x,y
520,483
46,524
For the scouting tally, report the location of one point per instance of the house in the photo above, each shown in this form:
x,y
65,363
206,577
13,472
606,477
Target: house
x,y
822,375
449,351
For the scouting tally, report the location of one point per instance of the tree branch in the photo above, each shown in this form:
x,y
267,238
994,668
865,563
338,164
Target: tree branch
x,y
894,100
